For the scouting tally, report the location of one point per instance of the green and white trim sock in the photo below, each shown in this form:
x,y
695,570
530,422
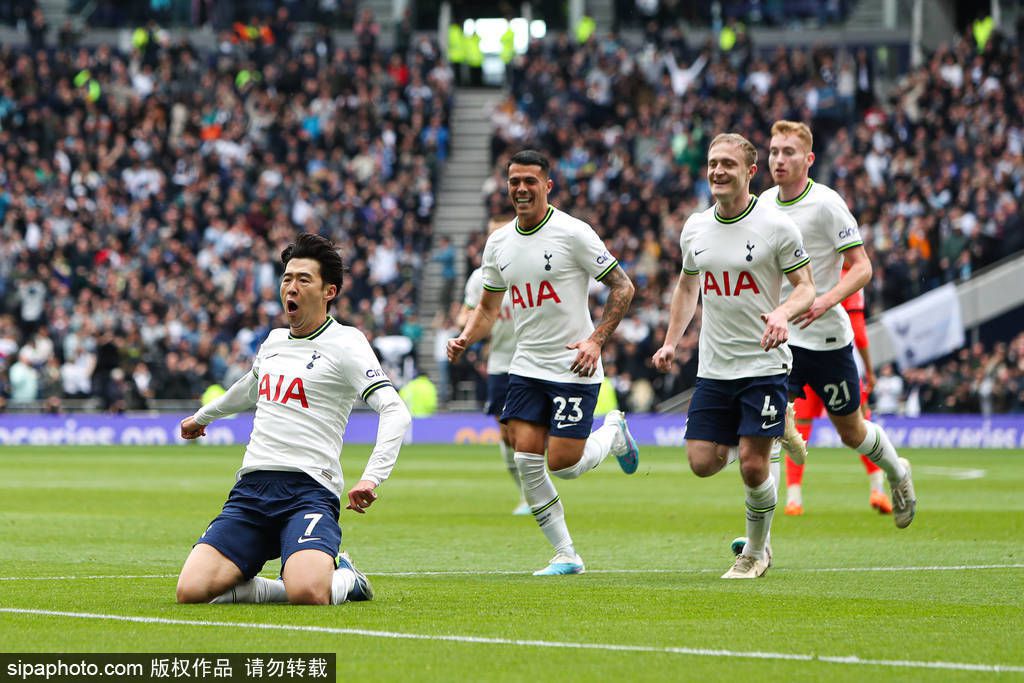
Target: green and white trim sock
x,y
760,509
596,449
544,501
880,451
508,455
343,580
255,590
775,464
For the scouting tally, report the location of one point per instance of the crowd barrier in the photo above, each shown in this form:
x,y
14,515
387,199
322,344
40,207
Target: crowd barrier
x,y
927,431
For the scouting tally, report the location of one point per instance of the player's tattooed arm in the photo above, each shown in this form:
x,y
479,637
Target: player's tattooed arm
x,y
619,298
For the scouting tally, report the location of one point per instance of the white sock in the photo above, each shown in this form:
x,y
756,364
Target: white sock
x,y
544,501
760,510
599,444
342,581
875,479
880,451
255,590
794,494
775,464
508,455
732,455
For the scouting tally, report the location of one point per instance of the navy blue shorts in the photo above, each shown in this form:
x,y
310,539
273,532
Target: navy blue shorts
x,y
832,374
497,390
565,408
722,410
272,514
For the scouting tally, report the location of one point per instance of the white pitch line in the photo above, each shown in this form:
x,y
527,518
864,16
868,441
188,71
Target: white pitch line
x,y
612,647
87,578
503,572
952,472
523,572
936,568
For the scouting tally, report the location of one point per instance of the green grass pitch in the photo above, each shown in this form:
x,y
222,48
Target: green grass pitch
x,y
452,567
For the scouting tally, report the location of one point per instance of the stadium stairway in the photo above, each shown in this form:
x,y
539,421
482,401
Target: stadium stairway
x,y
460,206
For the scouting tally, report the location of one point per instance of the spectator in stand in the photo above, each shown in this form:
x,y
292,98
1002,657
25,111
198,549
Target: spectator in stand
x,y
126,183
937,200
24,379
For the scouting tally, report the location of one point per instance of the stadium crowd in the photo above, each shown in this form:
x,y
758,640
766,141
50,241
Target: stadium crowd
x,y
145,198
934,170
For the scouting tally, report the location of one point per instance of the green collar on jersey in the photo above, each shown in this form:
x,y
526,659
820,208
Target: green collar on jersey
x,y
746,212
794,200
530,231
315,333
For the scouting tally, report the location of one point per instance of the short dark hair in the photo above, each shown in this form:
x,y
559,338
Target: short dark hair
x,y
529,157
321,250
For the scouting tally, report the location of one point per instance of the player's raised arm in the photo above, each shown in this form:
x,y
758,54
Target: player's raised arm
x,y
240,396
588,351
684,305
776,328
479,325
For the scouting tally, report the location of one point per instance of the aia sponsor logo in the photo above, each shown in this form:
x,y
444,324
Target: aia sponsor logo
x,y
275,389
722,285
527,297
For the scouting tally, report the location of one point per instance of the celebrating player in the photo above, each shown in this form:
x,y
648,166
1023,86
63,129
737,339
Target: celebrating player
x,y
499,357
545,259
286,501
811,406
822,342
736,255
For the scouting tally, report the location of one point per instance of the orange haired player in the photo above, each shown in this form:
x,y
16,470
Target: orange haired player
x,y
811,407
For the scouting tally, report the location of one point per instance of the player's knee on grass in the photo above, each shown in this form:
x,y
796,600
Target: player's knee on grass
x,y
207,573
190,593
308,593
307,577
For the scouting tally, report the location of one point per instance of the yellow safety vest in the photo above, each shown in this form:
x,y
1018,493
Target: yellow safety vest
x,y
607,400
585,29
982,30
508,45
474,55
456,49
421,396
727,39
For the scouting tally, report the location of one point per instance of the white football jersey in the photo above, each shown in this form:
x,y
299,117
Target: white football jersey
x,y
304,389
828,229
546,270
741,263
503,339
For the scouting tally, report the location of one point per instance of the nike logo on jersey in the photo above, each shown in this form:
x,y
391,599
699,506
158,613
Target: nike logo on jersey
x,y
501,268
769,425
563,425
309,538
698,253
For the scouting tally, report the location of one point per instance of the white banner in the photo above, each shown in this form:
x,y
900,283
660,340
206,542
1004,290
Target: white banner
x,y
927,327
